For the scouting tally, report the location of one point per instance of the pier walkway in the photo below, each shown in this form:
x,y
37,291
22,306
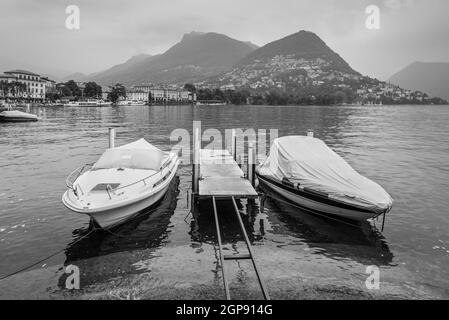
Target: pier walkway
x,y
221,177
217,176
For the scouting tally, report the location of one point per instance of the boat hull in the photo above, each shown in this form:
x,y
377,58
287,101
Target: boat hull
x,y
315,205
17,119
133,104
111,218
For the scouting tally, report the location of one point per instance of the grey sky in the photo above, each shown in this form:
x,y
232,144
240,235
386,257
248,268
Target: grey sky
x,y
34,35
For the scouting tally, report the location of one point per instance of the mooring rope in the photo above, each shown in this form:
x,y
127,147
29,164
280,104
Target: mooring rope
x,y
48,257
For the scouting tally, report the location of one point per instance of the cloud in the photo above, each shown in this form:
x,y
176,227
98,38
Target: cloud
x,y
112,31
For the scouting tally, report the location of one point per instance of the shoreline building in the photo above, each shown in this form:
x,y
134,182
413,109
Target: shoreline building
x,y
151,93
33,86
105,91
50,85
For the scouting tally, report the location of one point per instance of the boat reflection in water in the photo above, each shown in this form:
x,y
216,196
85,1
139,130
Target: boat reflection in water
x,y
279,224
361,242
123,245
203,225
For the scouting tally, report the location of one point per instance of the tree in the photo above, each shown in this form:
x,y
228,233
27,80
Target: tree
x,y
65,91
92,90
14,88
190,87
52,96
340,97
117,91
75,91
4,88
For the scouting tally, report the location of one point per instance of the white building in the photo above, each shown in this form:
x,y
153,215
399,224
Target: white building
x,y
159,94
137,95
50,85
35,87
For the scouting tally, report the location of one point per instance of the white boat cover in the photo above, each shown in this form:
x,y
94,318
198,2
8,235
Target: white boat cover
x,y
136,155
309,163
18,114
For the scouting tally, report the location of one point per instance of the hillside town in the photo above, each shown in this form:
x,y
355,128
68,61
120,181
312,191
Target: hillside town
x,y
283,79
283,72
291,75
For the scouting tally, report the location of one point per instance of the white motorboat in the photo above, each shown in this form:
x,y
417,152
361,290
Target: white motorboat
x,y
17,116
122,183
307,173
88,103
131,103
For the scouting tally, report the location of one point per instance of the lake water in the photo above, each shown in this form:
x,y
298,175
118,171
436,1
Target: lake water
x,y
168,253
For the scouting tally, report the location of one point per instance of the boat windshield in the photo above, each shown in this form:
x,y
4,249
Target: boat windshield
x,y
131,159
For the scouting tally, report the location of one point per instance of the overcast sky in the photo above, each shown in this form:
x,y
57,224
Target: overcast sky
x,y
34,35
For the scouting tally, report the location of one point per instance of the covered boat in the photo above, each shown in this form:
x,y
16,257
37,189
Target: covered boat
x,y
17,116
122,183
305,171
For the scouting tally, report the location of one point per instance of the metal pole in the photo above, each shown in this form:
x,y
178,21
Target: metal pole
x,y
234,145
217,226
251,164
111,138
196,160
248,245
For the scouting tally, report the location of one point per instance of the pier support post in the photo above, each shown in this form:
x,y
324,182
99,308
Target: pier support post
x,y
251,168
234,145
111,138
196,160
310,133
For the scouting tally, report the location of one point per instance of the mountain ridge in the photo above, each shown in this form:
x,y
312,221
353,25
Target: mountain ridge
x,y
197,55
300,63
303,43
428,77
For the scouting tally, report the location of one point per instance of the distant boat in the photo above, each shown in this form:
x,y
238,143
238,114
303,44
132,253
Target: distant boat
x,y
312,176
122,183
17,116
211,103
88,103
131,103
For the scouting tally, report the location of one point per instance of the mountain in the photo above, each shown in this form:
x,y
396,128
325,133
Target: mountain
x,y
252,45
298,60
120,71
195,57
303,44
429,77
77,76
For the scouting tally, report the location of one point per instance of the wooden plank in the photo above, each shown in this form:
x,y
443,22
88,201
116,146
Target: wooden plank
x,y
226,187
237,257
222,177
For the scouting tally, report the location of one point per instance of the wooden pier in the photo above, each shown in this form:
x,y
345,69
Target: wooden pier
x,y
217,176
221,177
